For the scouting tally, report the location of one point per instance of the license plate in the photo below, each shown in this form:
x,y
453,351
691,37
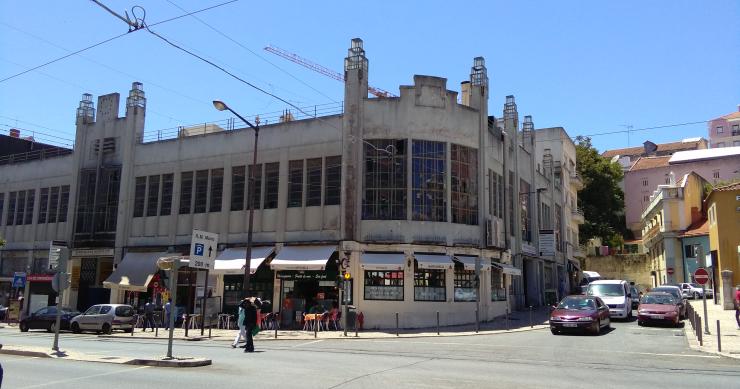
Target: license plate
x,y
657,316
570,325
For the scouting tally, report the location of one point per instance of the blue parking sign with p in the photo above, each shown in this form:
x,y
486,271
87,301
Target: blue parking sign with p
x,y
199,249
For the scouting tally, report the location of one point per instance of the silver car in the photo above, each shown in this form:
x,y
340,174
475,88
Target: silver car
x,y
105,318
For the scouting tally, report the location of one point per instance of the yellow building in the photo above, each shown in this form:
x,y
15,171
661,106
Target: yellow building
x,y
723,211
672,209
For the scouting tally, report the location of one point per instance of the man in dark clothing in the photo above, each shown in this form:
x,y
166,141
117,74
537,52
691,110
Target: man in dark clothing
x,y
149,315
250,321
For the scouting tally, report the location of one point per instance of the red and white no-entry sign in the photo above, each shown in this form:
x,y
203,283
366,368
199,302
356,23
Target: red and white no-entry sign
x,y
701,276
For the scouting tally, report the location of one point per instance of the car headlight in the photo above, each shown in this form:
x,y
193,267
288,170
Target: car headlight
x,y
588,318
642,311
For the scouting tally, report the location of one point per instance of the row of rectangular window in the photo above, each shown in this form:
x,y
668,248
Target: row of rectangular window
x,y
153,194
53,206
385,185
496,194
429,285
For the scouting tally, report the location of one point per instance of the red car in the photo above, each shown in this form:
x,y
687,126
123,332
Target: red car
x,y
658,307
580,313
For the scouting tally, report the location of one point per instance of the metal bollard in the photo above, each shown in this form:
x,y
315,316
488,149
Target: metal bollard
x,y
699,333
187,323
477,322
719,339
531,325
315,327
209,331
507,318
356,326
397,334
437,322
156,331
275,322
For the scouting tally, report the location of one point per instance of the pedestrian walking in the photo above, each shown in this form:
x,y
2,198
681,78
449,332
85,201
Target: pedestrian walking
x,y
167,310
737,306
240,323
250,322
149,315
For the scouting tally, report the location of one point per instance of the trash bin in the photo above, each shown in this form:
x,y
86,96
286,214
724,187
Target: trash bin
x,y
351,316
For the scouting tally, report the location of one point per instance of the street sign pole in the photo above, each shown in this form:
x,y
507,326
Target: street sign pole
x,y
706,318
701,276
61,286
173,307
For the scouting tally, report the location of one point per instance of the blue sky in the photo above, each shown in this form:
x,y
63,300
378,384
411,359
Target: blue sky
x,y
588,66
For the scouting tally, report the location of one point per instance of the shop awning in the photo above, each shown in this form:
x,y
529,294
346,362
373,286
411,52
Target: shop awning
x,y
469,261
386,261
433,261
507,269
231,261
135,271
302,257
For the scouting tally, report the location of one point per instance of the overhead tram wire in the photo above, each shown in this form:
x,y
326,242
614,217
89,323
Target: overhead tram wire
x,y
253,52
109,40
632,130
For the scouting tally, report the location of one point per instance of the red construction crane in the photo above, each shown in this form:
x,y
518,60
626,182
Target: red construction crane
x,y
321,69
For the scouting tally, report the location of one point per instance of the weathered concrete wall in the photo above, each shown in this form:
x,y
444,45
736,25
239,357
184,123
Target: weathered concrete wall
x,y
631,267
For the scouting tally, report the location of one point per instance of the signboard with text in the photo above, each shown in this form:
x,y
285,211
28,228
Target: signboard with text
x,y
203,247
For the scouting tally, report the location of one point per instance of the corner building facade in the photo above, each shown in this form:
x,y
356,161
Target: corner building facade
x,y
420,198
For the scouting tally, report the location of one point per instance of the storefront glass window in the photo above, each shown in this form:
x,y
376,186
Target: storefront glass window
x,y
383,285
429,285
428,176
384,194
464,284
498,293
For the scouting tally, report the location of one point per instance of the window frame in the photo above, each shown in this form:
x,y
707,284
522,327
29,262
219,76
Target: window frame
x,y
238,187
464,184
272,185
314,173
427,280
139,196
295,183
429,184
333,180
384,180
165,205
152,197
463,279
389,282
216,191
187,180
200,204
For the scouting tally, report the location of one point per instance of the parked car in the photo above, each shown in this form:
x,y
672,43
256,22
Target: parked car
x,y
46,319
580,313
658,307
695,291
588,277
674,291
635,296
616,294
105,318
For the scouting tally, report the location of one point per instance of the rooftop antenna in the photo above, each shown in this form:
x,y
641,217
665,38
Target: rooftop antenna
x,y
629,130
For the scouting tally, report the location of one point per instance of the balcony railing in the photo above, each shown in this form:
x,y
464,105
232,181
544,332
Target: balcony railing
x,y
34,155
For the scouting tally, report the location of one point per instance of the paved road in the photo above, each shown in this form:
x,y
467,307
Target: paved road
x,y
627,356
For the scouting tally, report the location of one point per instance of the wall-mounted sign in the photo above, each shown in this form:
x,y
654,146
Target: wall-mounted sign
x,y
297,275
547,243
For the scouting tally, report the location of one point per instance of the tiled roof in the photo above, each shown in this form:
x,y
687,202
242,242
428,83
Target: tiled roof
x,y
698,228
734,115
663,147
703,154
650,163
729,187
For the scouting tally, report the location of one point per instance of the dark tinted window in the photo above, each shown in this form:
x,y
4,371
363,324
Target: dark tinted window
x,y
105,309
124,311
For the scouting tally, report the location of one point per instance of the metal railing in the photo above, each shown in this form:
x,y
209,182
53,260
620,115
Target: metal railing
x,y
34,155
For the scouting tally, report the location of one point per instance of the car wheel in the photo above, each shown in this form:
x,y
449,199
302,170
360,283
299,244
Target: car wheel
x,y
554,331
597,330
76,328
52,327
23,327
640,323
107,329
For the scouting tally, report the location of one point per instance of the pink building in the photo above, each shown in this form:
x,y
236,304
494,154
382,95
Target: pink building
x,y
647,173
724,131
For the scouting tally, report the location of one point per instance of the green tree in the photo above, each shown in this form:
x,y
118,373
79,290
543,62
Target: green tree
x,y
601,198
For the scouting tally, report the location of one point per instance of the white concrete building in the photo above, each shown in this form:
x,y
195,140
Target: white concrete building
x,y
415,196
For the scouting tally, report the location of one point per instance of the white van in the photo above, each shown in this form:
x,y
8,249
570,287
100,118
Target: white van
x,y
616,294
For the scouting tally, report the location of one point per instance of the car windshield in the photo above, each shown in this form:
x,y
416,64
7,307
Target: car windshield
x,y
577,303
605,290
658,299
695,286
675,293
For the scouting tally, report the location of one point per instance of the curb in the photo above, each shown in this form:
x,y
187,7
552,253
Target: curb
x,y
191,362
694,345
189,339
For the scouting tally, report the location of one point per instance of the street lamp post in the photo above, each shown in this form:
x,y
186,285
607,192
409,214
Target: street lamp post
x,y
221,106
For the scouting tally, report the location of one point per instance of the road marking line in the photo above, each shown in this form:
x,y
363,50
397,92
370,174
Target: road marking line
x,y
85,377
307,343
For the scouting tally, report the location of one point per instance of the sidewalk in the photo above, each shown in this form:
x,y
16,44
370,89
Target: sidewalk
x,y
518,321
729,334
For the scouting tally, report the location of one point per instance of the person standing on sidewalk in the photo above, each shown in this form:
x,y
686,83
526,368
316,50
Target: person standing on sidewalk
x,y
240,323
250,321
148,315
737,306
